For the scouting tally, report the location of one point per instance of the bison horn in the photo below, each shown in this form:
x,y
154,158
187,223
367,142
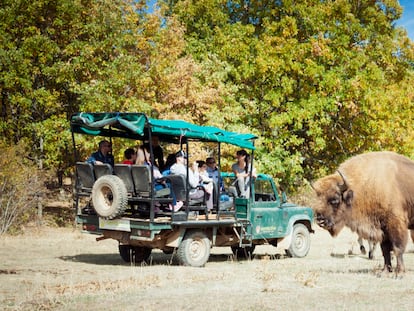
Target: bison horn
x,y
343,186
312,186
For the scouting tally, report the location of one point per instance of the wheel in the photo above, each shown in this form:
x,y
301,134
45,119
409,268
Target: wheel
x,y
168,250
300,244
194,249
243,252
109,196
141,253
125,252
135,254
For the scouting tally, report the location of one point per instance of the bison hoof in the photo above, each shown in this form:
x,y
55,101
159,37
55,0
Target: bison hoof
x,y
384,272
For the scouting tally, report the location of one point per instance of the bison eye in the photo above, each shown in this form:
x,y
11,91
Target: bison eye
x,y
334,202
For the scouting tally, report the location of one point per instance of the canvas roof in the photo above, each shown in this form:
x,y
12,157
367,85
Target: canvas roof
x,y
138,125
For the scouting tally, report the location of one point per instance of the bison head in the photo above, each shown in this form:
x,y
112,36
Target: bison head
x,y
333,202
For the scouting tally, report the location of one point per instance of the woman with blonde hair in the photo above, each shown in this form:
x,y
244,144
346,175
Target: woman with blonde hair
x,y
144,158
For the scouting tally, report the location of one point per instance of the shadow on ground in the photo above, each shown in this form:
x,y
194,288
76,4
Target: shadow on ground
x,y
157,258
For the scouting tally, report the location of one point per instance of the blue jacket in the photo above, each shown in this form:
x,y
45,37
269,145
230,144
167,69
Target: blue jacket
x,y
98,156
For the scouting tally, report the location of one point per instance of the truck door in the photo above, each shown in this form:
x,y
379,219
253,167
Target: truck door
x,y
266,214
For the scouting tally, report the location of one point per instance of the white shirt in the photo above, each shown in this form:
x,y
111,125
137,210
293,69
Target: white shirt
x,y
181,169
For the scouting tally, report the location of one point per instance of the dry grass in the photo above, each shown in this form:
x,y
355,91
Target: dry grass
x,y
61,269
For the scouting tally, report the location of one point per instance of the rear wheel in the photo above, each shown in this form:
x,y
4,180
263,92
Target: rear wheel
x,y
243,252
141,253
194,250
125,252
168,250
300,244
109,196
135,254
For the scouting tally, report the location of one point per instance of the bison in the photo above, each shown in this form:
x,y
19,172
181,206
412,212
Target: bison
x,y
373,195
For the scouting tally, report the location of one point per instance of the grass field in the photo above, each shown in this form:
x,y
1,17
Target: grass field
x,y
63,269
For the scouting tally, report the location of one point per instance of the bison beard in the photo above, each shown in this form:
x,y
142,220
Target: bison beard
x,y
373,195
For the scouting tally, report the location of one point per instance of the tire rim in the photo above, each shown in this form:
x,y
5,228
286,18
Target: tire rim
x,y
299,241
107,196
197,249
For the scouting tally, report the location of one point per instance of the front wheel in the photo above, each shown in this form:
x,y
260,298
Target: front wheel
x,y
194,250
300,244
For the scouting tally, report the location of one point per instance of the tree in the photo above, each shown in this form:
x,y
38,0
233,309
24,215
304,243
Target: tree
x,y
61,57
313,79
307,74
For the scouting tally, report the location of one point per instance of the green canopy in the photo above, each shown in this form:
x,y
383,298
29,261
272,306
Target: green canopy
x,y
138,126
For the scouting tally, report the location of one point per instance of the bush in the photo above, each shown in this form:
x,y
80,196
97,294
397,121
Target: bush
x,y
20,187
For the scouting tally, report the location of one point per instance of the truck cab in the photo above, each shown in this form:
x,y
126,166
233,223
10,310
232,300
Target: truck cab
x,y
269,217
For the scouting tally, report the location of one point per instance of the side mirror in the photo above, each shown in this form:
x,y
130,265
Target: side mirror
x,y
284,197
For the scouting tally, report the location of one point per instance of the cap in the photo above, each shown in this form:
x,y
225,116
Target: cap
x,y
181,153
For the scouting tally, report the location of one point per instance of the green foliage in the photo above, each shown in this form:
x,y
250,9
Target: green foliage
x,y
308,76
317,81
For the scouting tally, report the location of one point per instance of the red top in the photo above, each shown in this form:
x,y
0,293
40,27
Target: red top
x,y
127,162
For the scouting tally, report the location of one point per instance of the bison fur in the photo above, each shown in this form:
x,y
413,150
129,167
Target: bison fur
x,y
373,195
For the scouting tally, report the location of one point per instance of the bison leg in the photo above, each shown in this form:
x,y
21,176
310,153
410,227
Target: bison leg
x,y
386,248
361,246
399,240
398,246
372,246
398,252
400,263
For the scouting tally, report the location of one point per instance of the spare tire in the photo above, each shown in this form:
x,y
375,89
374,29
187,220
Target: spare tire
x,y
109,196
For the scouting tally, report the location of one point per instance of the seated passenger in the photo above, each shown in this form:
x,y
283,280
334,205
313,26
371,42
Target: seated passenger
x,y
170,161
130,156
103,155
180,168
143,158
213,172
205,180
158,152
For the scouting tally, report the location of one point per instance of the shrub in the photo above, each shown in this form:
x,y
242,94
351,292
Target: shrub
x,y
20,187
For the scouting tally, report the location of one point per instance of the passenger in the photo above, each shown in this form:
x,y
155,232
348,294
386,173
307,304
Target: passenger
x,y
158,153
130,156
180,168
144,158
213,172
103,155
170,161
241,171
205,180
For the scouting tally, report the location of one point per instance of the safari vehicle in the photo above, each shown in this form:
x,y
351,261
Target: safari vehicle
x,y
121,202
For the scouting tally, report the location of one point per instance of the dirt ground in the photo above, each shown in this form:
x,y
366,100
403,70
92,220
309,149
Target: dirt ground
x,y
64,269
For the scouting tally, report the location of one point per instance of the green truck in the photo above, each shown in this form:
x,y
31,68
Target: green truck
x,y
121,201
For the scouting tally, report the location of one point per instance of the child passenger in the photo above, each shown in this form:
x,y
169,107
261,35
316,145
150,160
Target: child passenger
x,y
130,156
